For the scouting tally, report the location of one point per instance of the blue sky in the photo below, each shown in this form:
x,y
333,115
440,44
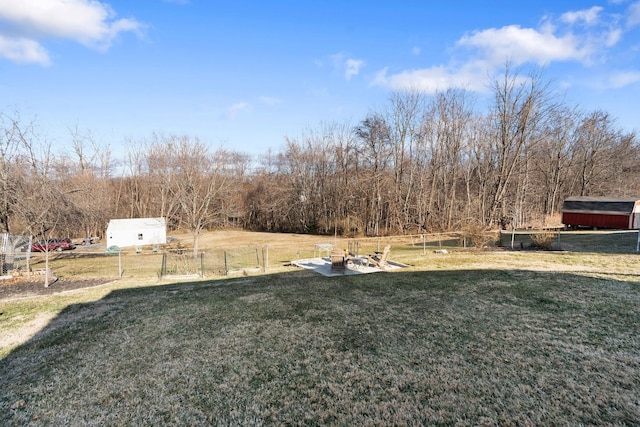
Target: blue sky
x,y
245,74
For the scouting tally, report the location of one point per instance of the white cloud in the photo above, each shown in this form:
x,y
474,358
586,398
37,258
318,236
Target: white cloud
x,y
349,67
352,68
613,37
270,101
525,45
434,79
22,50
588,16
89,22
237,108
622,79
633,14
486,51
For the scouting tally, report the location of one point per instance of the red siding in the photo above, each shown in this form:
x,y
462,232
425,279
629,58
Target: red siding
x,y
596,220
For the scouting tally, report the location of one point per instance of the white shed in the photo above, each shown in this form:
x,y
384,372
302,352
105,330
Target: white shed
x,y
136,232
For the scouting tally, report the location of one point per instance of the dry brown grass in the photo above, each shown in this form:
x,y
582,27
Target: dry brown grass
x,y
234,251
471,338
235,237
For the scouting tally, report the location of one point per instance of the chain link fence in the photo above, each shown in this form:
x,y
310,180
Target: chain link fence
x,y
93,261
602,241
14,254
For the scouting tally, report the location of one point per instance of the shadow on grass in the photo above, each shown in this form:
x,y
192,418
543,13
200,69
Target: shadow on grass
x,y
483,346
604,241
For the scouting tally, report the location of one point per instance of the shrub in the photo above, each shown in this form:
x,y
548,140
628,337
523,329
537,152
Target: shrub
x,y
544,239
478,236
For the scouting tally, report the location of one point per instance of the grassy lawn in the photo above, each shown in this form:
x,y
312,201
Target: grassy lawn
x,y
470,337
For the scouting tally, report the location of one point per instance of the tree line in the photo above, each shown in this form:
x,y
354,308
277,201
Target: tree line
x,y
422,163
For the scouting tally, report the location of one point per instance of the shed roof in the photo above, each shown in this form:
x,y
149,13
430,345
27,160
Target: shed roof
x,y
604,199
154,222
621,205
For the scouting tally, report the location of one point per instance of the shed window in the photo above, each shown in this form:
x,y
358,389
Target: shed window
x,y
139,236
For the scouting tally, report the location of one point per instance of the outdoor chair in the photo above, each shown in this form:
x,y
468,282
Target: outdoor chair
x,y
379,259
338,261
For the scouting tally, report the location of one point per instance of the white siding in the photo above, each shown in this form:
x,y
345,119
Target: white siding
x,y
136,232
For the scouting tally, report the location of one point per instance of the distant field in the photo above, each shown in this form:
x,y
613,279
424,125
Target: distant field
x,y
465,337
227,250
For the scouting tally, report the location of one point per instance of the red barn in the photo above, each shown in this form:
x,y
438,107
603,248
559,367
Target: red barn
x,y
601,212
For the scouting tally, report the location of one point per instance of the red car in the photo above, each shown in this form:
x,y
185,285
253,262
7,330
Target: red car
x,y
58,245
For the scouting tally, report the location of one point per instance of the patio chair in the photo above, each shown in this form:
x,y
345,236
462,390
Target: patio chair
x,y
379,259
338,261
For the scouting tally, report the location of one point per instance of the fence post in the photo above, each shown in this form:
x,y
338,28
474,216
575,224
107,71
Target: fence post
x,y
163,269
257,256
119,262
226,269
265,257
29,257
202,264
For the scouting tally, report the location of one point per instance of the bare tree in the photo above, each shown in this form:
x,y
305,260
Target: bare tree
x,y
453,119
44,205
135,197
85,176
403,117
161,170
601,149
199,182
347,181
553,159
374,147
267,193
12,134
520,104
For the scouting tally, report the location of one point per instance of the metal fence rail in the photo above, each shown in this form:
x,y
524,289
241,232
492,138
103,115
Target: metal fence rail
x,y
603,241
94,262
